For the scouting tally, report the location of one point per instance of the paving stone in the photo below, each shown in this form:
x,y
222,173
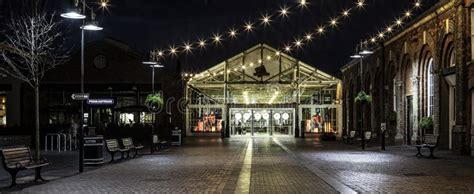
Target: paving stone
x,y
278,165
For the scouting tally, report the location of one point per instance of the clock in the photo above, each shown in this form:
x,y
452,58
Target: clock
x,y
100,62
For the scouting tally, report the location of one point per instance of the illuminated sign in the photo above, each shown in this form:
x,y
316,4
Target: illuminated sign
x,y
101,101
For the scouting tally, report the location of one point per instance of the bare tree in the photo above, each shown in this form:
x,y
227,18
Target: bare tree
x,y
33,45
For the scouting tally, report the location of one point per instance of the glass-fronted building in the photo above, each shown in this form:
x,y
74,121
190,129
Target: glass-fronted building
x,y
262,91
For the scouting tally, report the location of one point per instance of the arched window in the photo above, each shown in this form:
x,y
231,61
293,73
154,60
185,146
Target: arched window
x,y
452,58
430,87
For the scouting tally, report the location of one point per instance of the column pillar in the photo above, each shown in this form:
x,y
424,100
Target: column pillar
x,y
400,113
460,45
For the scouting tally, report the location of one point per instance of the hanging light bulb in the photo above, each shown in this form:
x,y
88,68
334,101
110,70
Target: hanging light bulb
x,y
217,38
407,14
389,29
320,30
284,11
160,53
233,33
399,22
173,50
266,20
187,47
417,4
303,3
381,35
333,22
202,43
308,37
298,43
345,13
360,4
248,27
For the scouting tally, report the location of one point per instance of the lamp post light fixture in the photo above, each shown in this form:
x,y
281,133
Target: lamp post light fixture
x,y
73,14
80,14
361,55
152,65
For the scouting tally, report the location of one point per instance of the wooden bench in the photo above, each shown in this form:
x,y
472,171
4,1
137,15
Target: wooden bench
x,y
158,142
114,147
17,159
128,144
430,142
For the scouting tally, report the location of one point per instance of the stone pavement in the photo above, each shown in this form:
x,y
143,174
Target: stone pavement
x,y
273,165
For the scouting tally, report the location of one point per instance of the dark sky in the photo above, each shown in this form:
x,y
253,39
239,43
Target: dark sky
x,y
148,24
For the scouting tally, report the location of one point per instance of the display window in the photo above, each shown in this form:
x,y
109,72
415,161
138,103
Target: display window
x,y
320,120
3,111
206,120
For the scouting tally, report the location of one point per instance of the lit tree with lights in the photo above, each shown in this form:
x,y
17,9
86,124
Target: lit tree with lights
x,y
33,46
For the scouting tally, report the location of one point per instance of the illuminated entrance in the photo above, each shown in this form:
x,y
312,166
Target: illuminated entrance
x,y
261,121
262,91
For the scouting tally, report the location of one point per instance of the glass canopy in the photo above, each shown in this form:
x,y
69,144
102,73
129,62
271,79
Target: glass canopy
x,y
262,91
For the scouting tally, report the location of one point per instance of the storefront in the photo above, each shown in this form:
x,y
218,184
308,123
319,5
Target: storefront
x,y
262,92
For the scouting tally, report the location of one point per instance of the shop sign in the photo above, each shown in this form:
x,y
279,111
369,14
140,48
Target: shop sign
x,y
101,102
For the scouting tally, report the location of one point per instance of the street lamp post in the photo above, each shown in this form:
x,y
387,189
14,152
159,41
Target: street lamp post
x,y
153,65
361,55
91,26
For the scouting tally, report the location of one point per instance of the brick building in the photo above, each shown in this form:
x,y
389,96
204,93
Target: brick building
x,y
112,71
422,71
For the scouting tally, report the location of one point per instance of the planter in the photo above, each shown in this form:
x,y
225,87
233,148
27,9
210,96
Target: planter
x,y
328,137
363,98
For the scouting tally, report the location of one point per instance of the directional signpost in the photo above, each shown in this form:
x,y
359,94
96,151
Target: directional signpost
x,y
80,96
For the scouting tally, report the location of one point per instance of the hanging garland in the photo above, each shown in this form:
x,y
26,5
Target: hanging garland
x,y
250,26
397,24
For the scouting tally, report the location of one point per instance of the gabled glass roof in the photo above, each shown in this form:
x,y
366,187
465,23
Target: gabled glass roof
x,y
261,75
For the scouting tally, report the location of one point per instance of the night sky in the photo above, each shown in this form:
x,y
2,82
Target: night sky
x,y
148,24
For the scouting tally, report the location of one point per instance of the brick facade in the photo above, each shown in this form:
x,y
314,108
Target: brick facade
x,y
436,44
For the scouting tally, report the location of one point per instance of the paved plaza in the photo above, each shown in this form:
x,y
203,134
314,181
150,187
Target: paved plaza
x,y
267,165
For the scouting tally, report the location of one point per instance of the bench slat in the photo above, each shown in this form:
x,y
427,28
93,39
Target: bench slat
x,y
15,149
8,152
15,155
13,160
36,165
431,139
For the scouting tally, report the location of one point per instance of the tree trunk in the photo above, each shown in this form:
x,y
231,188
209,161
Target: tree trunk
x,y
37,124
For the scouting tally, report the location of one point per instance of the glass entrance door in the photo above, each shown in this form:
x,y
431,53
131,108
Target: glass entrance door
x,y
261,121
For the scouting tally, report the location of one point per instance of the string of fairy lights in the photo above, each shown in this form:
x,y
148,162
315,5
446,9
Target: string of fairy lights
x,y
393,26
381,35
298,42
251,26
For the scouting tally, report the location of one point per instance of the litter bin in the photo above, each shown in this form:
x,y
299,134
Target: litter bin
x,y
93,150
176,137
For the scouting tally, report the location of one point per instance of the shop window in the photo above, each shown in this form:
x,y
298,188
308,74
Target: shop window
x,y
3,111
320,120
208,120
146,118
127,118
